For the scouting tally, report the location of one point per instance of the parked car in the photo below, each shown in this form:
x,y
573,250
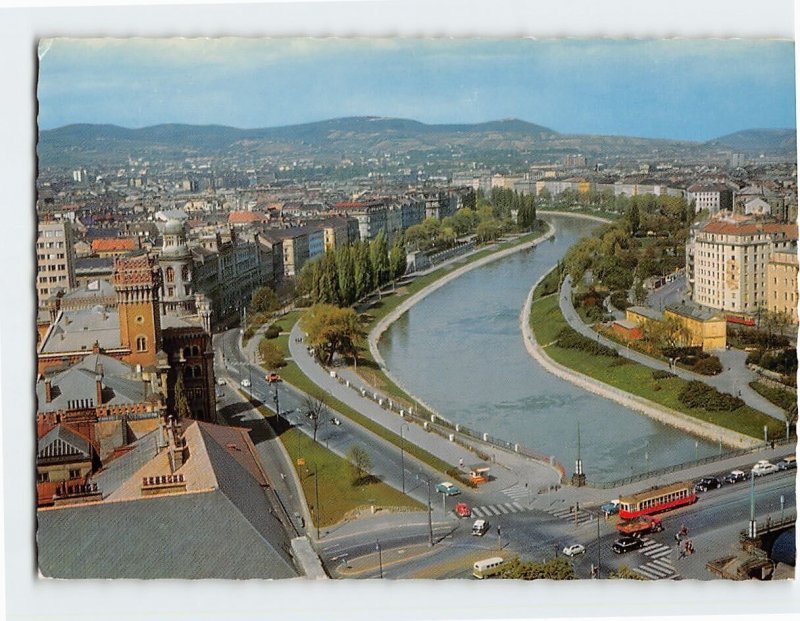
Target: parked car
x,y
245,383
462,510
221,382
626,544
611,507
480,527
336,421
707,483
735,476
448,489
764,467
574,549
788,463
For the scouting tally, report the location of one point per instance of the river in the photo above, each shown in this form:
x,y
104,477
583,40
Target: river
x,y
460,350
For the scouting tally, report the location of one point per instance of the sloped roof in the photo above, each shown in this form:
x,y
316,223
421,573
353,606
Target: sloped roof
x,y
246,217
120,384
78,329
61,443
122,244
223,526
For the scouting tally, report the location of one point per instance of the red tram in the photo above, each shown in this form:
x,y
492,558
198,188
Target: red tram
x,y
656,500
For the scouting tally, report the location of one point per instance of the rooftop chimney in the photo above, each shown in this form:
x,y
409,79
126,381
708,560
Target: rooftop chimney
x,y
48,390
98,382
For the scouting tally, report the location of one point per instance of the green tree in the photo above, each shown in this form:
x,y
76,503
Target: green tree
x,y
633,218
346,272
264,300
379,258
397,259
271,354
181,402
554,569
470,200
488,230
332,331
307,281
363,269
327,280
360,464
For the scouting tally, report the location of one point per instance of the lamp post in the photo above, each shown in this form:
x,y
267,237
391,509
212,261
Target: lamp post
x,y
765,435
275,399
696,449
430,523
380,557
752,529
598,546
783,501
316,499
402,457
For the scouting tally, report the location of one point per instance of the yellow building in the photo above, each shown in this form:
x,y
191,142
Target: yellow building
x,y
707,328
782,283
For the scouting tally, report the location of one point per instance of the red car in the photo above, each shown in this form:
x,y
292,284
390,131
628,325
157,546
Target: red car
x,y
273,377
462,510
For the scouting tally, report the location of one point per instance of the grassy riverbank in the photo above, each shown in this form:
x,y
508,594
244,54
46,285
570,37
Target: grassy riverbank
x,y
547,322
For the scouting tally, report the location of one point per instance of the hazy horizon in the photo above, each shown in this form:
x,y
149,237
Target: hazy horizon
x,y
672,89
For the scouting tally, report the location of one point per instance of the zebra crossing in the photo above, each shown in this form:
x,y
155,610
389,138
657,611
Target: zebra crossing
x,y
659,567
518,492
486,511
568,514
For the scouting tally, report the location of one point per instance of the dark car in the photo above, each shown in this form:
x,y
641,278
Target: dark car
x,y
735,476
707,483
787,463
626,544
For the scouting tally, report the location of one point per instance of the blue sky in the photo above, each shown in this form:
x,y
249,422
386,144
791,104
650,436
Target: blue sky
x,y
683,89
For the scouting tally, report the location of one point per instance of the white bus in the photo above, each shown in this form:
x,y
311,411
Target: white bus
x,y
487,567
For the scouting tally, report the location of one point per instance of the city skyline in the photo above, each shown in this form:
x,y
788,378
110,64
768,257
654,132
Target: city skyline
x,y
590,86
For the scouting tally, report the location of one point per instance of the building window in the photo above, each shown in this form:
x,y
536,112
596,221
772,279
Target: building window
x,y
42,477
169,275
74,474
185,272
141,343
139,319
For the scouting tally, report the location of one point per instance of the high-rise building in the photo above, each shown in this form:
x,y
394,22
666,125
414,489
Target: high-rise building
x,y
54,259
782,283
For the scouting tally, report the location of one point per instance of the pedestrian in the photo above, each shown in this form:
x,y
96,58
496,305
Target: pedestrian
x,y
460,463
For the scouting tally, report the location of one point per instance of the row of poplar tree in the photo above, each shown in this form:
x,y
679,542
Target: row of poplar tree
x,y
347,274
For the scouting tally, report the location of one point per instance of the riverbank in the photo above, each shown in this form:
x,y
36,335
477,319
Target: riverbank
x,y
656,411
383,324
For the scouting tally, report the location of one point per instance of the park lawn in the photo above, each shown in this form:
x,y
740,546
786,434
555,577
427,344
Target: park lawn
x,y
784,399
637,379
337,495
292,374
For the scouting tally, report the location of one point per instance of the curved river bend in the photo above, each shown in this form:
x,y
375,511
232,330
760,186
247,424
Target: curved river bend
x,y
460,350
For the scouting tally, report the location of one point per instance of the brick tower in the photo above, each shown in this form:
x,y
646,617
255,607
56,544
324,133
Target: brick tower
x,y
136,283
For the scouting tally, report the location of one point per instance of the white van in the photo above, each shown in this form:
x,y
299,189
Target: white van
x,y
487,567
480,527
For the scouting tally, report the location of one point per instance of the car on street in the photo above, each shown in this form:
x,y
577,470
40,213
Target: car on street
x,y
480,527
764,467
336,421
245,383
448,489
462,510
626,544
788,463
221,382
273,377
735,476
707,483
574,549
611,507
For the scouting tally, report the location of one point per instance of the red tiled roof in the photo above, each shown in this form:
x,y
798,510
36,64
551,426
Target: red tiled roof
x,y
246,217
123,244
789,231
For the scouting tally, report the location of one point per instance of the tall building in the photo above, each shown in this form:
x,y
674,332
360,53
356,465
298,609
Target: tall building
x,y
54,259
714,197
782,283
727,257
176,271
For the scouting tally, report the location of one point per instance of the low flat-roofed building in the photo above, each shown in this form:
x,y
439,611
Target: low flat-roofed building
x,y
706,327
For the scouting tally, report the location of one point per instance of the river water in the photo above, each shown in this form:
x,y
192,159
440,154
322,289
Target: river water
x,y
461,351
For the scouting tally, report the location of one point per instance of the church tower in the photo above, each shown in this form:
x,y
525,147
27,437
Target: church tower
x,y
177,296
136,282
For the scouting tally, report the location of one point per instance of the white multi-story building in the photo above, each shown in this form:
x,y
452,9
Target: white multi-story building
x,y
714,197
54,259
727,257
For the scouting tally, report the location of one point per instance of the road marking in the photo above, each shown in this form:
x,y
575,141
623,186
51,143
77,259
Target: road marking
x,y
518,506
493,510
477,511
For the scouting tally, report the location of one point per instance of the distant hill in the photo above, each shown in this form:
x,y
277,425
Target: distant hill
x,y
505,141
769,141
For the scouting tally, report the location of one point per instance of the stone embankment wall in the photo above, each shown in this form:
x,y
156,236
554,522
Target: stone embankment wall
x,y
655,411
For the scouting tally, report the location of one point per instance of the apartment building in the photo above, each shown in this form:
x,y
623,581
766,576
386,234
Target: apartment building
x,y
54,259
714,197
727,260
782,283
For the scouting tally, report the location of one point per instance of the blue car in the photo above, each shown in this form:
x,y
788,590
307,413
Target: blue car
x,y
611,507
447,488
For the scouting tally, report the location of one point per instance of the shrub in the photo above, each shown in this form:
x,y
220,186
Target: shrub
x,y
272,332
619,299
569,339
707,366
660,374
699,395
683,352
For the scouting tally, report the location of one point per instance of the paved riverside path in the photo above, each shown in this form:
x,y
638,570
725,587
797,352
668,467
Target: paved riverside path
x,y
510,470
734,379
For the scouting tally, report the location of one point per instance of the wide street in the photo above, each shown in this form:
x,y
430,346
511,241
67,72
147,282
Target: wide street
x,y
531,525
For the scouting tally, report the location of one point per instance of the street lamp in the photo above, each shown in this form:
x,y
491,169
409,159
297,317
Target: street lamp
x,y
380,556
430,523
316,499
402,457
